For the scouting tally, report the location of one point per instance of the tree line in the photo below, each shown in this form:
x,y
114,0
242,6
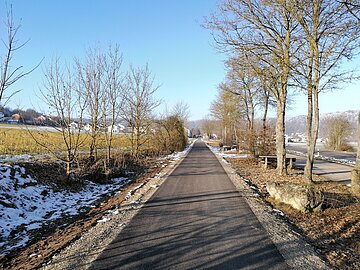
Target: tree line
x,y
99,88
276,47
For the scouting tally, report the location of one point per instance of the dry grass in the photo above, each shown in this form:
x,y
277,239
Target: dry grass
x,y
19,141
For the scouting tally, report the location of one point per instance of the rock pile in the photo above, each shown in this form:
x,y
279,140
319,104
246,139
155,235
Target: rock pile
x,y
301,197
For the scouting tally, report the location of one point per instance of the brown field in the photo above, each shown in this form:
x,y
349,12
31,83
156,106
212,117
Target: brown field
x,y
15,141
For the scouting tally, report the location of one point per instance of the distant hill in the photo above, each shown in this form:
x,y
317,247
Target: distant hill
x,y
297,124
195,124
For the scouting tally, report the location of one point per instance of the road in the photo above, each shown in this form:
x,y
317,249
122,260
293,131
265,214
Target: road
x,y
196,220
333,172
301,147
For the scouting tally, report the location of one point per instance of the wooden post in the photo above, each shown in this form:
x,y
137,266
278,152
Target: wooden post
x,y
265,163
290,164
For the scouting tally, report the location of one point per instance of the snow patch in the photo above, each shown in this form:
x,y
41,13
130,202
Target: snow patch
x,y
104,219
226,154
15,158
278,212
114,212
26,205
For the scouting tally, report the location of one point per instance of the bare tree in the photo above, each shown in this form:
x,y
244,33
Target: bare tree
x,y
266,30
182,111
62,94
353,6
9,75
209,126
226,108
94,86
257,88
267,101
331,34
139,103
337,128
247,86
113,100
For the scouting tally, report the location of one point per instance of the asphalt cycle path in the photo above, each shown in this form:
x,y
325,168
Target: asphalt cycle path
x,y
196,220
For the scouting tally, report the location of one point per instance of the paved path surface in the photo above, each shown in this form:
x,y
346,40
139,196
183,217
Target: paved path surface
x,y
196,220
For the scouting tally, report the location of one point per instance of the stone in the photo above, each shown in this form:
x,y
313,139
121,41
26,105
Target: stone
x,y
301,197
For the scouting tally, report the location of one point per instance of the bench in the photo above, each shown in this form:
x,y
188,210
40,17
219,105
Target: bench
x,y
265,161
225,148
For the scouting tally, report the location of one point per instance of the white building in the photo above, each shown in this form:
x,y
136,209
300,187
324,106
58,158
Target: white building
x,y
115,128
74,125
87,128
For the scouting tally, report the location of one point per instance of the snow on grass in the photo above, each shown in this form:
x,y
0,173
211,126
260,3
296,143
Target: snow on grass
x,y
26,205
278,212
114,211
179,155
15,158
131,192
104,219
226,154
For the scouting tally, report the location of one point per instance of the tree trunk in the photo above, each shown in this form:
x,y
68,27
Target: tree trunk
x,y
313,81
309,121
281,105
280,137
236,136
357,165
252,130
312,140
109,154
68,167
355,175
264,118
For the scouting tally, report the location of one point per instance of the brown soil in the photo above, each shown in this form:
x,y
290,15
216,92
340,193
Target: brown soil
x,y
56,238
334,232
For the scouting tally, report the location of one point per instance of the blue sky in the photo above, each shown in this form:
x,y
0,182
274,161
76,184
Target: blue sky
x,y
165,34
